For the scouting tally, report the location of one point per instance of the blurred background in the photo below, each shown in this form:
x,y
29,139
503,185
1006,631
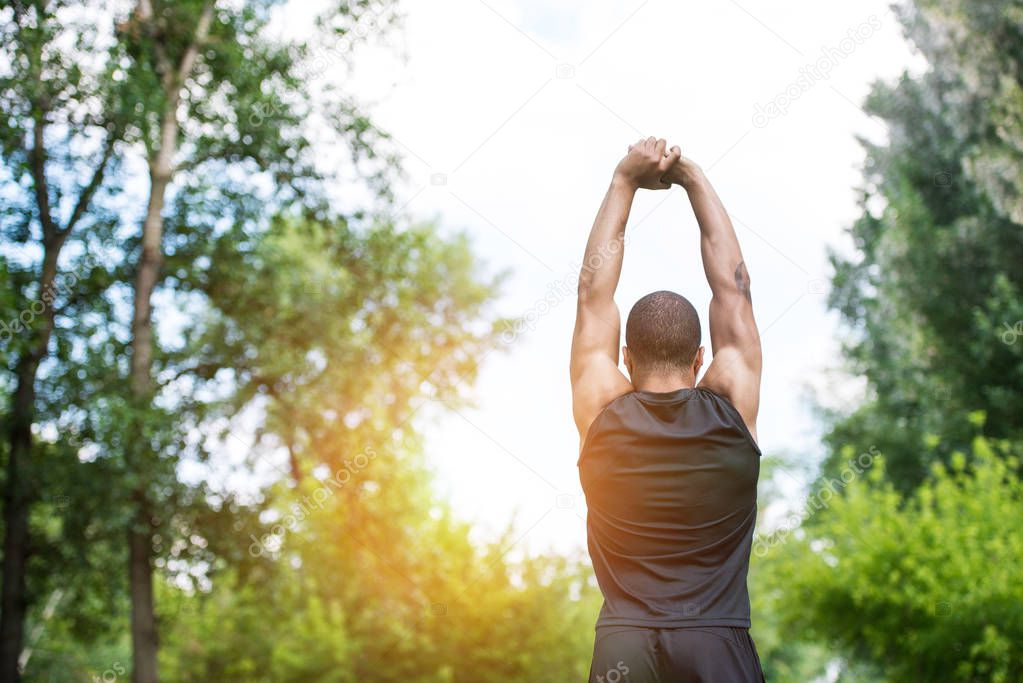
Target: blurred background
x,y
287,296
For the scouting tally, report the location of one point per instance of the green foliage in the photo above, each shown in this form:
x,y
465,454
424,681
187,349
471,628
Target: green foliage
x,y
935,283
330,324
378,583
340,333
783,658
910,574
925,585
328,331
342,327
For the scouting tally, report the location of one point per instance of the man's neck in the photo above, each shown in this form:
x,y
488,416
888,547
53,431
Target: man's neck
x,y
661,384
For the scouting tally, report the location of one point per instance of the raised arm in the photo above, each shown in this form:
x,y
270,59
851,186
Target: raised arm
x,y
596,379
735,341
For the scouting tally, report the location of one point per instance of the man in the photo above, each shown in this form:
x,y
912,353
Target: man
x,y
669,467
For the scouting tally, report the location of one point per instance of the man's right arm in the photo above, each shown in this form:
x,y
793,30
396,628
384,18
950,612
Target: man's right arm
x,y
735,341
596,379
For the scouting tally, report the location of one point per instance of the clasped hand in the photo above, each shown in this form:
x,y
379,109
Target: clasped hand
x,y
649,166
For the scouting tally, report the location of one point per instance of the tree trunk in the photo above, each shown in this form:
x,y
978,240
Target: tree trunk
x,y
20,485
16,505
143,614
140,533
161,170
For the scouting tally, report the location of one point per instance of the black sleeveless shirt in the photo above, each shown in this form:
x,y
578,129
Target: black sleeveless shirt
x,y
671,487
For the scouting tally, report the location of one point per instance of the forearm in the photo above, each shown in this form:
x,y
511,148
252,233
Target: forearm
x,y
602,261
722,257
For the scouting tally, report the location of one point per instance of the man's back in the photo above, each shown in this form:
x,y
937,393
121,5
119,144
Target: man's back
x,y
670,482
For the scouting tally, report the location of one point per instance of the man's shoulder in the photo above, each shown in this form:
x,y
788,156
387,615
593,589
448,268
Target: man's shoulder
x,y
603,406
735,415
594,390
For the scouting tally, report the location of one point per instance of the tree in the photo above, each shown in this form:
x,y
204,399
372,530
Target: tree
x,y
337,332
58,136
374,581
784,659
932,297
937,567
932,292
196,88
204,72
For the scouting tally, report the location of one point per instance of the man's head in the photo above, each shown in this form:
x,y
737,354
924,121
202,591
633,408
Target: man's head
x,y
662,337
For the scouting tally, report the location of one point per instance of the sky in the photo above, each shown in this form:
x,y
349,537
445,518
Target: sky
x,y
511,115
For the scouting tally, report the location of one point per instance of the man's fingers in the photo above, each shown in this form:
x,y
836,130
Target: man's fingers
x,y
669,159
659,146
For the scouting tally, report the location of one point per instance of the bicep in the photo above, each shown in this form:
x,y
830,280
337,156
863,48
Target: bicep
x,y
596,379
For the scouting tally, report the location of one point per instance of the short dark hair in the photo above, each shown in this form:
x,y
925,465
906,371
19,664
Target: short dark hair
x,y
662,332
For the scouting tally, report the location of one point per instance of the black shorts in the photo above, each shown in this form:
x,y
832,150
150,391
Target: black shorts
x,y
705,654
